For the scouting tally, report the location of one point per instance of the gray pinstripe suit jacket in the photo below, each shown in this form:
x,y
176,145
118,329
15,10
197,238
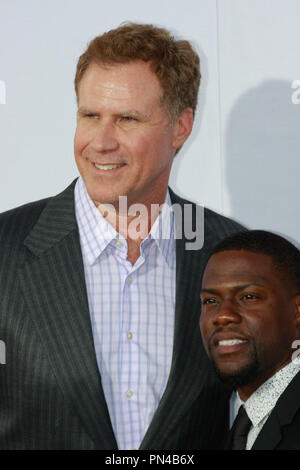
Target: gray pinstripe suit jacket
x,y
50,387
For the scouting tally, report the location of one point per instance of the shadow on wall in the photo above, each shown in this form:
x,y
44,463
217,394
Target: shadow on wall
x,y
262,155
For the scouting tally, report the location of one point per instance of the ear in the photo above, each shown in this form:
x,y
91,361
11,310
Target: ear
x,y
182,128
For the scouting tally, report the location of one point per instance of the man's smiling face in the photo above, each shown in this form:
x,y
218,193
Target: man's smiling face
x,y
249,317
124,143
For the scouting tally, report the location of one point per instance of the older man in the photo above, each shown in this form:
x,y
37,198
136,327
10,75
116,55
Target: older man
x,y
100,284
250,323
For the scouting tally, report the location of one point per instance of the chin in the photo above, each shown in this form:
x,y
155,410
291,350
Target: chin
x,y
239,375
101,197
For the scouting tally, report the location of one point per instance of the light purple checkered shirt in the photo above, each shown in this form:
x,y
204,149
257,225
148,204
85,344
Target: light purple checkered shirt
x,y
132,314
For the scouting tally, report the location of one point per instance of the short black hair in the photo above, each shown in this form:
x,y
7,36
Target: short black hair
x,y
284,254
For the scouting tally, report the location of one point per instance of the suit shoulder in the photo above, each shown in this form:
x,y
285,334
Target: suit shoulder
x,y
214,221
16,223
216,224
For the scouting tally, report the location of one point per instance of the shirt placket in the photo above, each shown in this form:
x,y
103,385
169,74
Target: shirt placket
x,y
130,371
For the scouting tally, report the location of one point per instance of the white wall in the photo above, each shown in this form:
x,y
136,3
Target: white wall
x,y
242,158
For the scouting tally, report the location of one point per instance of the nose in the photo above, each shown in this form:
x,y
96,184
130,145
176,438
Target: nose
x,y
227,313
105,138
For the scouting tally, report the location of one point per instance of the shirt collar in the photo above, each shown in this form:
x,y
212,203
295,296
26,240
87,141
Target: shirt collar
x,y
263,400
162,231
96,233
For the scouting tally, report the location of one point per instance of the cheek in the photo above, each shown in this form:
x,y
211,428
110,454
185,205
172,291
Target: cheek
x,y
204,328
79,152
155,138
138,148
267,336
164,140
81,139
78,143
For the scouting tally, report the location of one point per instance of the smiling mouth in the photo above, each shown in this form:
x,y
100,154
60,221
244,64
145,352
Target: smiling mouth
x,y
106,167
226,347
231,342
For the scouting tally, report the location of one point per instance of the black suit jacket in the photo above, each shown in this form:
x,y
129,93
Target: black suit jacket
x,y
50,387
281,431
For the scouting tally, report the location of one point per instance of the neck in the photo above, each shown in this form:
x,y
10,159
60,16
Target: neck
x,y
134,223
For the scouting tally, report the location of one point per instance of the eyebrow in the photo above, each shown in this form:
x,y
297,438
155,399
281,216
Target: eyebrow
x,y
130,112
235,288
83,110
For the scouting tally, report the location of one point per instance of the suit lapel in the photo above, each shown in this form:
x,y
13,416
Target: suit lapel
x,y
53,285
270,435
189,362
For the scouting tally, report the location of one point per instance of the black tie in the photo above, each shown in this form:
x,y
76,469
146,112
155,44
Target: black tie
x,y
240,429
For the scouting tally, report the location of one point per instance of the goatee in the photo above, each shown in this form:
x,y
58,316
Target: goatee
x,y
244,376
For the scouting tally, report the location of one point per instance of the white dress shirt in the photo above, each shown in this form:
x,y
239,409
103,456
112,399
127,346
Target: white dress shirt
x,y
260,404
132,315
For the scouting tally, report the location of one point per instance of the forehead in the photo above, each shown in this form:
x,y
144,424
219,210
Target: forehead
x,y
236,267
129,81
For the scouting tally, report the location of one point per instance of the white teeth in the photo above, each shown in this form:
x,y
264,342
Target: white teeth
x,y
107,167
231,342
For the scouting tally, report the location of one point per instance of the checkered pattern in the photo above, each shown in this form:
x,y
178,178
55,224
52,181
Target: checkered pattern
x,y
132,315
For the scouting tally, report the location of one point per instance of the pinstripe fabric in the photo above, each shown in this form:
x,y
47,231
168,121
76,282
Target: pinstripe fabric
x,y
132,314
51,395
199,385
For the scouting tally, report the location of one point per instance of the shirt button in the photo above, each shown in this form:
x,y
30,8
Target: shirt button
x,y
118,244
129,393
129,279
129,335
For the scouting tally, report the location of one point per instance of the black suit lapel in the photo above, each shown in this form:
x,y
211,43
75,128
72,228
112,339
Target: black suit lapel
x,y
53,285
270,435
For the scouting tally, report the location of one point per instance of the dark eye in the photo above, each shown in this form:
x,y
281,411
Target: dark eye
x,y
208,300
128,118
91,116
249,297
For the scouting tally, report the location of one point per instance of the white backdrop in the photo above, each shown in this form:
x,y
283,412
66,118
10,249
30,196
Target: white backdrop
x,y
243,158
